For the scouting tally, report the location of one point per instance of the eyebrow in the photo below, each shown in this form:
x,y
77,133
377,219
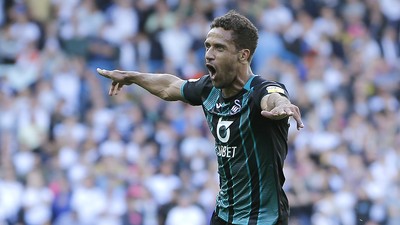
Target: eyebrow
x,y
216,44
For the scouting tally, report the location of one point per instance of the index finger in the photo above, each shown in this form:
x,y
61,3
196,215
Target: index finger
x,y
297,116
104,73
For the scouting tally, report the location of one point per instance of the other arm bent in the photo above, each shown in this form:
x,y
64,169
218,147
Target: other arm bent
x,y
275,106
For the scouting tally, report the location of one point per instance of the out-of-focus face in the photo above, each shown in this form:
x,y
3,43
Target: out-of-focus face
x,y
222,57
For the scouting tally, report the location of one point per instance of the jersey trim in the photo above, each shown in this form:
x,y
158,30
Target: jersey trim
x,y
182,92
248,83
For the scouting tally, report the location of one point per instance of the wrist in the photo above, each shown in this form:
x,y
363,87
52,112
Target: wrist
x,y
130,77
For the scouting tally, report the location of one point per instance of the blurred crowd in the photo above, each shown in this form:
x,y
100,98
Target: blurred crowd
x,y
69,154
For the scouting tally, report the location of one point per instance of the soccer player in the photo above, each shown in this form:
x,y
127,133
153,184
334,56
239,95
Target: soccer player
x,y
247,115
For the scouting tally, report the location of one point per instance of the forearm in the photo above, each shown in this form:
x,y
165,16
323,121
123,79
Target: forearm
x,y
275,106
273,100
165,86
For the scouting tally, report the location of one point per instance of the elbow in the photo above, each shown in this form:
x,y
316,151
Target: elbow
x,y
165,96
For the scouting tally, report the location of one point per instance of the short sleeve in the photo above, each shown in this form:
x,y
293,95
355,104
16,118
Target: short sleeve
x,y
195,90
269,87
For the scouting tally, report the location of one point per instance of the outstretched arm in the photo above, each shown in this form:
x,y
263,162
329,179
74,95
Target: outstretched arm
x,y
275,106
165,86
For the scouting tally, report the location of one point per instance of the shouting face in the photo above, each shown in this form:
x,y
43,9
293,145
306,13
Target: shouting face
x,y
222,57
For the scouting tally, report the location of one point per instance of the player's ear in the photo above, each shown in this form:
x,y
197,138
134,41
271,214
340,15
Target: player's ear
x,y
244,55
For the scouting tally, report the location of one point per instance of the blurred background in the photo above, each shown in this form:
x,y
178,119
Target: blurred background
x,y
72,155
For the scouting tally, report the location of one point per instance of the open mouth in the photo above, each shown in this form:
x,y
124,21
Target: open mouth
x,y
211,69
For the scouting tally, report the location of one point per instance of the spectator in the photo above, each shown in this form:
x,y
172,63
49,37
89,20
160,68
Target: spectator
x,y
186,212
11,192
36,200
88,201
163,184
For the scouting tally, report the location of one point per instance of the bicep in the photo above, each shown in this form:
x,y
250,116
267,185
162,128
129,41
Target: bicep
x,y
173,91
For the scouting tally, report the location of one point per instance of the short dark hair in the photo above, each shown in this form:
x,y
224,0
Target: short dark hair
x,y
245,34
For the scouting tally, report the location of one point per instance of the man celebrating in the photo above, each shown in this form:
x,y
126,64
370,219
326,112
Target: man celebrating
x,y
247,115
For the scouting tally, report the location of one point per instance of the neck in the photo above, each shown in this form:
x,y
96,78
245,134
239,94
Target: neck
x,y
238,84
249,71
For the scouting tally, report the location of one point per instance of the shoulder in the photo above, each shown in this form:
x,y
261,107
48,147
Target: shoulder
x,y
259,80
263,87
269,86
202,79
201,82
194,91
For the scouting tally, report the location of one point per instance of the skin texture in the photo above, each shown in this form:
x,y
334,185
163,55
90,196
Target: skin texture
x,y
230,70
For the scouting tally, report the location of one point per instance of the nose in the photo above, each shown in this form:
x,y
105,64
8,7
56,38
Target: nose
x,y
209,55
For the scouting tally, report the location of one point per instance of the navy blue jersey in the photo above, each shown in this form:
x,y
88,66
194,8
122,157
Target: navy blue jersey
x,y
250,150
